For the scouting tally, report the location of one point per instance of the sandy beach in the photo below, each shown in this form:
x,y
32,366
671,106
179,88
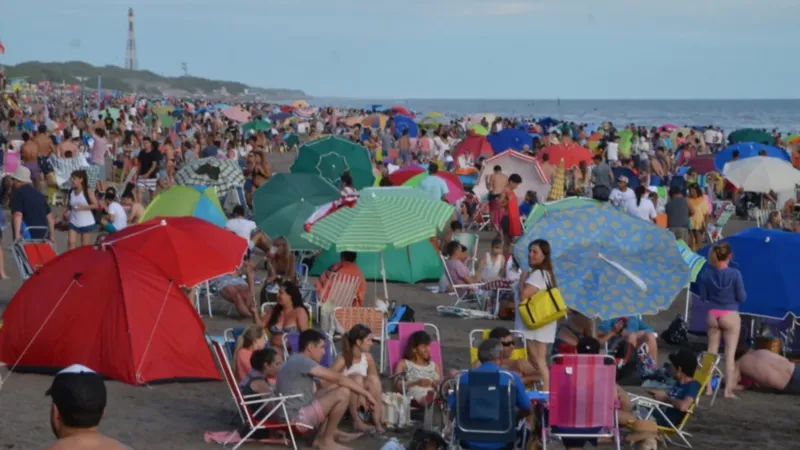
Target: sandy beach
x,y
175,416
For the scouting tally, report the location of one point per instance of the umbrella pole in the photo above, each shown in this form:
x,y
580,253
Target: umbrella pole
x,y
383,277
686,306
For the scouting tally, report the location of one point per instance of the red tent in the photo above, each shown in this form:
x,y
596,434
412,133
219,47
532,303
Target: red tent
x,y
475,145
110,310
572,154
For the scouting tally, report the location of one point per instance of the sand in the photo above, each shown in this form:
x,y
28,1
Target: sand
x,y
175,416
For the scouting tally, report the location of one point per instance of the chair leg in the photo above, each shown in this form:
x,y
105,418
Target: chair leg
x,y
208,299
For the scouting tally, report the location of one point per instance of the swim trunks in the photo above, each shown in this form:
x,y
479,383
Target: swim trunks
x,y
44,164
793,386
36,172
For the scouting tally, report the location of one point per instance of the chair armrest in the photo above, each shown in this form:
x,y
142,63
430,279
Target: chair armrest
x,y
264,399
398,374
646,401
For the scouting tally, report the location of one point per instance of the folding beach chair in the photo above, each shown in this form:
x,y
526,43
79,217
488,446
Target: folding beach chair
x,y
714,231
339,292
485,410
481,219
712,360
291,344
470,241
583,397
32,254
470,293
395,347
374,319
478,336
258,412
230,336
654,408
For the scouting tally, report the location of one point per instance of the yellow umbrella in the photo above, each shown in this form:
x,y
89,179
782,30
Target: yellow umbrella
x,y
434,114
558,187
479,129
163,109
375,121
300,104
353,121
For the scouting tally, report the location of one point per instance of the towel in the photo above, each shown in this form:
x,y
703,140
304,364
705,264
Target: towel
x,y
232,437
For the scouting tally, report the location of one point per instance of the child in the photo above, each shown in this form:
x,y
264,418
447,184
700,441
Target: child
x,y
357,363
251,340
422,374
265,364
491,265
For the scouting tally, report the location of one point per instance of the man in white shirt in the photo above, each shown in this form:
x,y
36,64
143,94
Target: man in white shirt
x,y
117,218
433,185
242,227
612,152
622,197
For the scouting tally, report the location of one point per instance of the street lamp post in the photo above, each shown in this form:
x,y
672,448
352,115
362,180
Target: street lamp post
x,y
83,97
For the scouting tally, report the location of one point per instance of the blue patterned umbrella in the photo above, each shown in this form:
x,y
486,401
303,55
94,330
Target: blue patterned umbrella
x,y
609,264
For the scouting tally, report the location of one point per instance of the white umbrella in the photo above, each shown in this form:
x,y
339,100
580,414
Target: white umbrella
x,y
762,174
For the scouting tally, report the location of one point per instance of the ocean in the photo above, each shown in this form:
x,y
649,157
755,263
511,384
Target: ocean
x,y
730,115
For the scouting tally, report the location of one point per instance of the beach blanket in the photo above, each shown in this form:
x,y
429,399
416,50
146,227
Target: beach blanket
x,y
464,313
233,437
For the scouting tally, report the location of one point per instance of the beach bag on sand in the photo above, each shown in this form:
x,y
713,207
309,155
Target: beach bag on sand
x,y
396,410
401,313
544,307
676,333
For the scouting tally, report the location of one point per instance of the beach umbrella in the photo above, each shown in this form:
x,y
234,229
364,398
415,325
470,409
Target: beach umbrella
x,y
167,121
300,104
607,263
291,139
510,139
381,219
751,135
454,186
306,112
540,209
280,117
257,125
191,201
572,154
330,157
625,142
702,164
221,174
402,111
375,121
478,118
236,114
176,244
558,186
748,150
402,123
793,139
474,145
433,121
762,174
110,309
478,129
353,120
767,260
282,205
668,127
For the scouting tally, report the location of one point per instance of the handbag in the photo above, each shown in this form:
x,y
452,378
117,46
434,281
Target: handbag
x,y
544,307
396,410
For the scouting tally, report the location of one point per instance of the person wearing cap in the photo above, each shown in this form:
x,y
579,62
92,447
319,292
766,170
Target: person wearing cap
x,y
79,401
622,197
29,208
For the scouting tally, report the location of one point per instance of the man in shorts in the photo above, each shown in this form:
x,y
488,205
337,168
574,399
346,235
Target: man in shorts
x,y
496,184
321,408
769,370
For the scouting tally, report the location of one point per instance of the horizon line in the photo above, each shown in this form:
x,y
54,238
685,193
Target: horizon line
x,y
407,99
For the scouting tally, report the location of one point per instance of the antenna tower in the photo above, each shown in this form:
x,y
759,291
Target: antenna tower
x,y
130,51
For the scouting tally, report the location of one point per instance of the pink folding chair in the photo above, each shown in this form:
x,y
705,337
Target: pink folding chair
x,y
583,396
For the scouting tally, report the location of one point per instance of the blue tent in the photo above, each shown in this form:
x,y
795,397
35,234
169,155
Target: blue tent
x,y
767,260
402,123
509,139
748,150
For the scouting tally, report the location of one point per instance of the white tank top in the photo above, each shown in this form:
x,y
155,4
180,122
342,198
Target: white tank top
x,y
358,368
82,218
492,268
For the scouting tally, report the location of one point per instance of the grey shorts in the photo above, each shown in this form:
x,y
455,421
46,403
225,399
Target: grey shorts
x,y
680,233
793,386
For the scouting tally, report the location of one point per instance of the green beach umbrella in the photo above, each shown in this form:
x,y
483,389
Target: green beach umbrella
x,y
257,125
291,140
478,129
284,203
625,141
330,157
541,209
751,135
166,120
187,201
382,218
412,264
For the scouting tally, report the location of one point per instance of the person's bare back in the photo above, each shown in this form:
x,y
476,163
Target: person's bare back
x,y
44,145
497,183
767,369
87,441
30,151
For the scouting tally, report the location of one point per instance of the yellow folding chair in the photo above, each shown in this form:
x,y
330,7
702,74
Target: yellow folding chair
x,y
477,336
712,360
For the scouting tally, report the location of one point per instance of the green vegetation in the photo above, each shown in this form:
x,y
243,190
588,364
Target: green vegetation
x,y
141,81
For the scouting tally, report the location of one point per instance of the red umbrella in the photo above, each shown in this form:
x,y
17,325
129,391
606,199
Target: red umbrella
x,y
188,250
572,154
475,145
702,164
402,110
110,310
400,176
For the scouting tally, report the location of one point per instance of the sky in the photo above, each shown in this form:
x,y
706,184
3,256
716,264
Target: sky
x,y
411,49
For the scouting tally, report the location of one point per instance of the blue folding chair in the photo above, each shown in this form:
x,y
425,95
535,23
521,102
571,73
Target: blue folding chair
x,y
291,344
485,410
231,335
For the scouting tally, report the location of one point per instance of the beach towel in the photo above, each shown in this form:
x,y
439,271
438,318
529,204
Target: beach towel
x,y
233,437
464,313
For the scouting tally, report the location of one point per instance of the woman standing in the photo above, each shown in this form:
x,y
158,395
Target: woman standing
x,y
723,288
698,208
81,204
538,278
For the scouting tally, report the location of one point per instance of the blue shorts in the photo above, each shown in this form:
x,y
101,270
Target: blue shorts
x,y
82,230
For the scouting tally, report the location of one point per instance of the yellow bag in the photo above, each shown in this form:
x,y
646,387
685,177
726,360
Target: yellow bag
x,y
544,307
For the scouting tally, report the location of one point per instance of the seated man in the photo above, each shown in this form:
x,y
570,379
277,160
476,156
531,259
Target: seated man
x,y
768,370
457,267
521,367
635,331
322,409
490,355
347,266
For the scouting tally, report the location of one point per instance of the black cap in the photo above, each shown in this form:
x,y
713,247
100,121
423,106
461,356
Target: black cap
x,y
588,346
78,390
684,360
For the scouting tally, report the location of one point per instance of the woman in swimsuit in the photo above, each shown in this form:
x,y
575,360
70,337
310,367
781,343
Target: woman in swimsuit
x,y
288,316
357,363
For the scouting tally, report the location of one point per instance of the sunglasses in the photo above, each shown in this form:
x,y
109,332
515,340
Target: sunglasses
x,y
507,344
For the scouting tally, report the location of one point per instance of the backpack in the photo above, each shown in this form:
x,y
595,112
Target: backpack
x,y
401,313
676,333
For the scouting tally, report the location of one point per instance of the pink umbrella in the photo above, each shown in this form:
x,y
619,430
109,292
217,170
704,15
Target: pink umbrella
x,y
668,127
236,114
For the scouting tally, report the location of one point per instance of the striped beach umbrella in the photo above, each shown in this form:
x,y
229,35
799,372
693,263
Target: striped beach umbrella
x,y
219,173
